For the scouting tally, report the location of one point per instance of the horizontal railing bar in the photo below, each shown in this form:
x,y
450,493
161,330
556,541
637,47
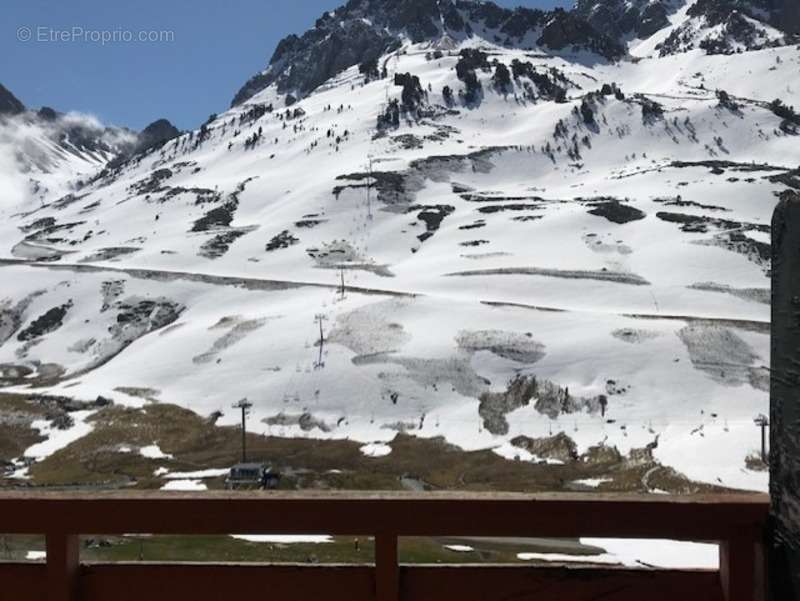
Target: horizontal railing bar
x,y
134,582
575,566
170,583
600,498
23,581
704,517
433,583
11,565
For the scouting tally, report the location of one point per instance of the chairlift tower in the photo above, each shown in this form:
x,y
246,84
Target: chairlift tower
x,y
319,317
245,406
762,421
371,160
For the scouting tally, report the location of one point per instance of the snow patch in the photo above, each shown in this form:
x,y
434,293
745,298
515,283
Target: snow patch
x,y
283,539
459,548
199,475
376,449
184,485
58,439
154,452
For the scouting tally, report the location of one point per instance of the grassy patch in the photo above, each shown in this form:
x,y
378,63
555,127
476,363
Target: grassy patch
x,y
108,456
342,549
109,453
16,434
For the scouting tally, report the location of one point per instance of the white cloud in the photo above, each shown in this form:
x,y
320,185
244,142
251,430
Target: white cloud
x,y
33,165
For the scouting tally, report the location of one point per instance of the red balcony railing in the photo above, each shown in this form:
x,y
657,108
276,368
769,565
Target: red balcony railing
x,y
736,522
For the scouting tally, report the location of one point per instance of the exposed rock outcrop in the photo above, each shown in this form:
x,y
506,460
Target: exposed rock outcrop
x,y
156,133
361,31
618,18
9,104
559,447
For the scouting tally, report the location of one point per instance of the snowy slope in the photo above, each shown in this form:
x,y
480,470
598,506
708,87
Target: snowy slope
x,y
621,257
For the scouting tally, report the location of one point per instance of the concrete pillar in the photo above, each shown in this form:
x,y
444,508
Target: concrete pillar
x,y
791,16
784,532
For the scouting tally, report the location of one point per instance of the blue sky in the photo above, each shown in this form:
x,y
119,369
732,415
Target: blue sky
x,y
215,46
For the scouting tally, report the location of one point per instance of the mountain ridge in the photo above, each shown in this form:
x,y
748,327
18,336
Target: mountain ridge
x,y
9,104
38,145
361,30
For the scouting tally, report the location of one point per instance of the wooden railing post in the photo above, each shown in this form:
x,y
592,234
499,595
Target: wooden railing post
x,y
783,543
741,568
63,567
387,569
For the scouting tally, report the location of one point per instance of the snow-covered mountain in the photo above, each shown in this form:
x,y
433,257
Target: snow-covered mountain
x,y
362,31
45,153
717,26
541,224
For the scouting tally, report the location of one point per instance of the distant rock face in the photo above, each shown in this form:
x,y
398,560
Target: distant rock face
x,y
89,138
618,18
9,104
84,135
567,29
718,12
53,140
301,65
363,30
47,114
71,133
716,26
156,133
791,16
153,135
727,26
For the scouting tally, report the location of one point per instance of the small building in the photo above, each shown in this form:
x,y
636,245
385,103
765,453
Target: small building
x,y
252,475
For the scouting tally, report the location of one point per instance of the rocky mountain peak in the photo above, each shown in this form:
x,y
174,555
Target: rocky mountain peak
x,y
619,18
363,30
718,11
47,114
716,26
154,135
728,26
157,132
9,104
50,146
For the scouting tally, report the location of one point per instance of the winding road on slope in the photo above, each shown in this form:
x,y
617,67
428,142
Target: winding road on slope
x,y
266,284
